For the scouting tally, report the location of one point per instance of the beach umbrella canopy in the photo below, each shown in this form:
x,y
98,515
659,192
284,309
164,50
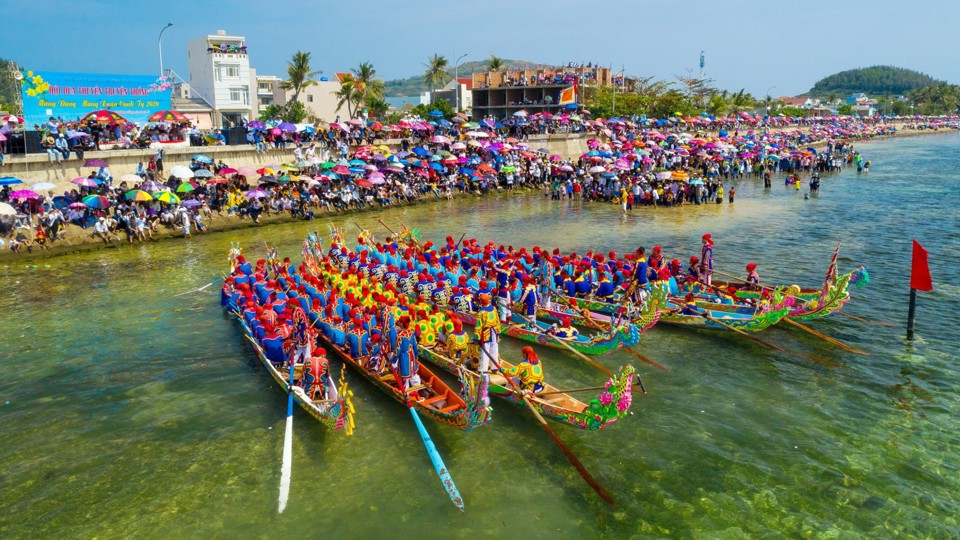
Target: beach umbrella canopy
x,y
10,181
95,163
103,117
186,187
11,118
181,172
151,186
7,210
227,170
24,194
137,195
191,203
97,202
245,171
436,113
203,173
256,124
166,197
131,178
287,126
255,194
86,182
167,116
38,187
266,171
202,158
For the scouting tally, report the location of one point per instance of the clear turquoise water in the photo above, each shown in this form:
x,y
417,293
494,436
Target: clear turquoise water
x,y
128,412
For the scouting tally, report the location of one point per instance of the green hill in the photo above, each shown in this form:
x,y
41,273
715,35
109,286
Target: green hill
x,y
414,85
875,81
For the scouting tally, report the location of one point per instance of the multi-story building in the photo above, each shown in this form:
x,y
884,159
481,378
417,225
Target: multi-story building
x,y
499,94
221,75
319,99
266,85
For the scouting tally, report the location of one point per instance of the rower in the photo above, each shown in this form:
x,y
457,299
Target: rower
x,y
407,353
753,278
314,368
487,330
457,341
706,258
530,298
693,271
689,306
528,373
565,331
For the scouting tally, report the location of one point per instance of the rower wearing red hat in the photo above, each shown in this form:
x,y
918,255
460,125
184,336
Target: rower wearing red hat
x,y
753,278
529,372
693,271
676,270
689,306
457,341
530,298
565,330
706,258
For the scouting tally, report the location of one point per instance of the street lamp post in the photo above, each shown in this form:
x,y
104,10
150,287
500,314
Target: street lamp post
x,y
456,80
160,45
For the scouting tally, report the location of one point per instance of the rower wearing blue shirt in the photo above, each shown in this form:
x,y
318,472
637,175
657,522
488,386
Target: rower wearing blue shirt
x,y
753,278
706,258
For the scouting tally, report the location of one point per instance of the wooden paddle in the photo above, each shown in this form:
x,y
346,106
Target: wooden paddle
x,y
582,356
768,344
201,288
572,390
880,323
563,447
824,337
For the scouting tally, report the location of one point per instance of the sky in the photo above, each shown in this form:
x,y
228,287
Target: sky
x,y
780,48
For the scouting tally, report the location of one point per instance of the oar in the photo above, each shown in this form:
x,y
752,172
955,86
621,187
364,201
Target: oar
x,y
563,447
201,288
888,325
768,344
824,337
435,458
572,390
286,467
594,324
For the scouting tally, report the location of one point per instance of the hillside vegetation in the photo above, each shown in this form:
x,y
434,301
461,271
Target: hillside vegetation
x,y
874,81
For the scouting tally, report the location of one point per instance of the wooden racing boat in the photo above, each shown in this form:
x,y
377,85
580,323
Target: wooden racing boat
x,y
612,404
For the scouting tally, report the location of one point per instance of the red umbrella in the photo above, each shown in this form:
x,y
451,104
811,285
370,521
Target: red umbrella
x,y
167,116
103,117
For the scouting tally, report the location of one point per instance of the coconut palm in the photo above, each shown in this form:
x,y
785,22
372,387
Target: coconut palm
x,y
436,72
346,95
495,63
365,83
299,74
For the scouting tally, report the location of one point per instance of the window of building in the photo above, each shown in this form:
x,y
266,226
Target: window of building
x,y
240,95
309,98
231,71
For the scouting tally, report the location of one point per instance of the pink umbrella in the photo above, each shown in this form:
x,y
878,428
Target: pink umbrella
x,y
340,169
440,139
246,171
376,175
85,182
25,194
228,170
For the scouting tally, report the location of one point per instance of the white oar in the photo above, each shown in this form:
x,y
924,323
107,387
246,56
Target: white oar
x,y
287,466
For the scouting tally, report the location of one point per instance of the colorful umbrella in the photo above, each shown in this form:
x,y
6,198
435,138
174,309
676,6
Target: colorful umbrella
x,y
255,194
167,116
98,202
95,163
265,171
186,187
137,195
166,197
203,173
86,182
227,170
201,158
12,118
191,203
24,194
256,124
151,186
103,117
131,178
9,180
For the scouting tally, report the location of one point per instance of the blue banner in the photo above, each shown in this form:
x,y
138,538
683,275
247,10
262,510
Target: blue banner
x,y
69,96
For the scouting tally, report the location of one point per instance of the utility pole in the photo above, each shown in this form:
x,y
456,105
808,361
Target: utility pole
x,y
456,81
160,45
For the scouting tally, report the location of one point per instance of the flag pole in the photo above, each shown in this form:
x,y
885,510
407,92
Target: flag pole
x,y
911,314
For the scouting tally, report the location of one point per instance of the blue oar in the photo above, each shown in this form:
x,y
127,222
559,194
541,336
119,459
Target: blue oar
x,y
438,465
286,467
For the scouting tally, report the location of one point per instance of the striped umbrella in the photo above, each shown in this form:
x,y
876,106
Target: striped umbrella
x,y
151,186
166,197
138,195
86,182
98,202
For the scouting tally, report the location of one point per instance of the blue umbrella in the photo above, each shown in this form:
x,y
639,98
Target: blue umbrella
x,y
356,163
9,180
466,170
444,123
357,170
436,113
571,106
203,173
436,166
422,152
200,158
309,129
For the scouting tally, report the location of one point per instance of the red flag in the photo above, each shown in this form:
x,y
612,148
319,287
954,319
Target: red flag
x,y
568,95
920,270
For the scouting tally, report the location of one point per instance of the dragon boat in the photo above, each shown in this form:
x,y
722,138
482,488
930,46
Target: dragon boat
x,y
611,405
337,415
465,410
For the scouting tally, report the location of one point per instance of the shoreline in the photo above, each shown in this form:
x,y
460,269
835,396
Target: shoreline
x,y
82,243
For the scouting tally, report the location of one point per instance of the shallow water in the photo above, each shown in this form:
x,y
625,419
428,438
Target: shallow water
x,y
126,411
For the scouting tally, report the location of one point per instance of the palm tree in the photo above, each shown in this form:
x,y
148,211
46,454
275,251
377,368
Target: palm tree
x,y
366,84
347,95
299,75
495,63
831,98
436,72
740,101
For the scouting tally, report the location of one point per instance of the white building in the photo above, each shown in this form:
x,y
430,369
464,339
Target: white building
x,y
319,100
221,75
266,85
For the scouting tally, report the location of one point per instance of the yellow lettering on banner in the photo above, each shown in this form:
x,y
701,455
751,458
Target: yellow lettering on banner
x,y
45,103
153,104
126,104
89,104
67,104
